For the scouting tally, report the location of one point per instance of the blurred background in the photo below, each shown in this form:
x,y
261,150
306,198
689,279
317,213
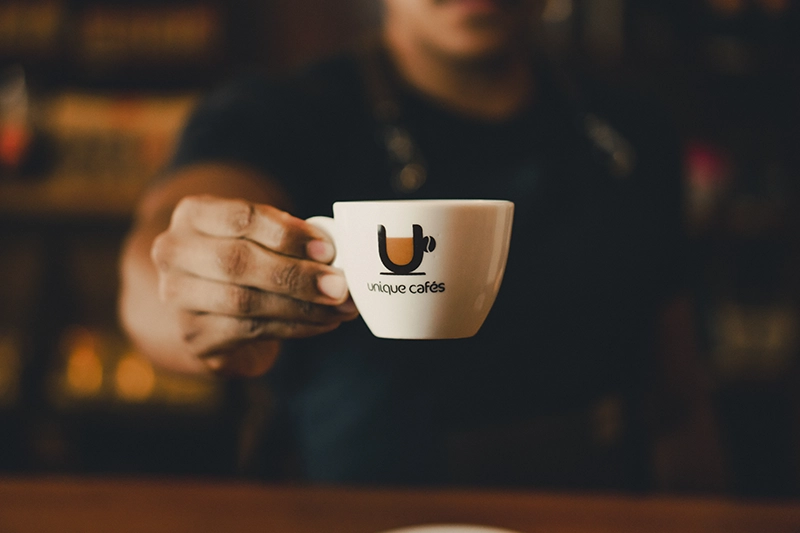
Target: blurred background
x,y
93,92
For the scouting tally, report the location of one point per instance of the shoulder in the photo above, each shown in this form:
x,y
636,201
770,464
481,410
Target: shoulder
x,y
323,86
328,80
271,121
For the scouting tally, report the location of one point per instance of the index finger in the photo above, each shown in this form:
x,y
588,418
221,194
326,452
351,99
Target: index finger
x,y
263,224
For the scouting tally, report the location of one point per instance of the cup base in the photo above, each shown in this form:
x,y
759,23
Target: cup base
x,y
411,336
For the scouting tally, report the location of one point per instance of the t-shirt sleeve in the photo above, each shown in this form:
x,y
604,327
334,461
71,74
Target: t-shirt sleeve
x,y
287,128
237,123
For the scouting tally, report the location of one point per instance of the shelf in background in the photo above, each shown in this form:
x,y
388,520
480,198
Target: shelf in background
x,y
69,197
105,149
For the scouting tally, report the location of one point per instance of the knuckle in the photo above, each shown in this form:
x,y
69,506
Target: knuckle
x,y
189,336
242,299
184,208
288,277
284,230
279,234
234,259
307,309
241,216
294,236
250,327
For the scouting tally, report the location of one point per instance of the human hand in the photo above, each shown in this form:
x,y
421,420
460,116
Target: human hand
x,y
242,277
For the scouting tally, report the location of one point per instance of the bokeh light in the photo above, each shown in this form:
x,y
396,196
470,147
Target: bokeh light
x,y
134,379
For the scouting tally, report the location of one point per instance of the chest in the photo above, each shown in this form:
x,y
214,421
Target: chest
x,y
576,228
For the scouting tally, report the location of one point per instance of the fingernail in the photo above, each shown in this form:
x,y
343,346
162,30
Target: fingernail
x,y
347,308
332,285
321,251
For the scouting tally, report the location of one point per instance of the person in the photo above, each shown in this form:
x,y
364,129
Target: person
x,y
221,274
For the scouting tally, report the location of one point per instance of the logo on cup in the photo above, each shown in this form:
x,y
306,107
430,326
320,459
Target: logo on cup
x,y
403,255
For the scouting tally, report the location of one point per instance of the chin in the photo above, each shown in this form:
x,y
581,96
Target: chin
x,y
482,37
478,47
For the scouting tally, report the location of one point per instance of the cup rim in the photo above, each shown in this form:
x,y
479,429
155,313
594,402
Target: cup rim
x,y
430,202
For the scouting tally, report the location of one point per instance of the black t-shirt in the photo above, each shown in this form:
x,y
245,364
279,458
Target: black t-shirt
x,y
593,256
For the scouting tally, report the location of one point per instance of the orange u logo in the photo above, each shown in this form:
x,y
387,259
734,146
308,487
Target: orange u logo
x,y
403,255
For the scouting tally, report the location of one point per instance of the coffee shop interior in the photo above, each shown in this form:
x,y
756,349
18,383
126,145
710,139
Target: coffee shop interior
x,y
94,92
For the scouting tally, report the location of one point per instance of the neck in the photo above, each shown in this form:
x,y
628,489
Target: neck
x,y
494,87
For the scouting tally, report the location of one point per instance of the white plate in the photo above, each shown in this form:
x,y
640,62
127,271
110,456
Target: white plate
x,y
450,528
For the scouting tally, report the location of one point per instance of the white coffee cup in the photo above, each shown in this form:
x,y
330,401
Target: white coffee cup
x,y
421,269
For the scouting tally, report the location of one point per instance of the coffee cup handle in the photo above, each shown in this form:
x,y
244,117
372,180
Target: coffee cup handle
x,y
328,226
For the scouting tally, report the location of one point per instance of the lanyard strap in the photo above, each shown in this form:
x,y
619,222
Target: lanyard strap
x,y
408,167
408,172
